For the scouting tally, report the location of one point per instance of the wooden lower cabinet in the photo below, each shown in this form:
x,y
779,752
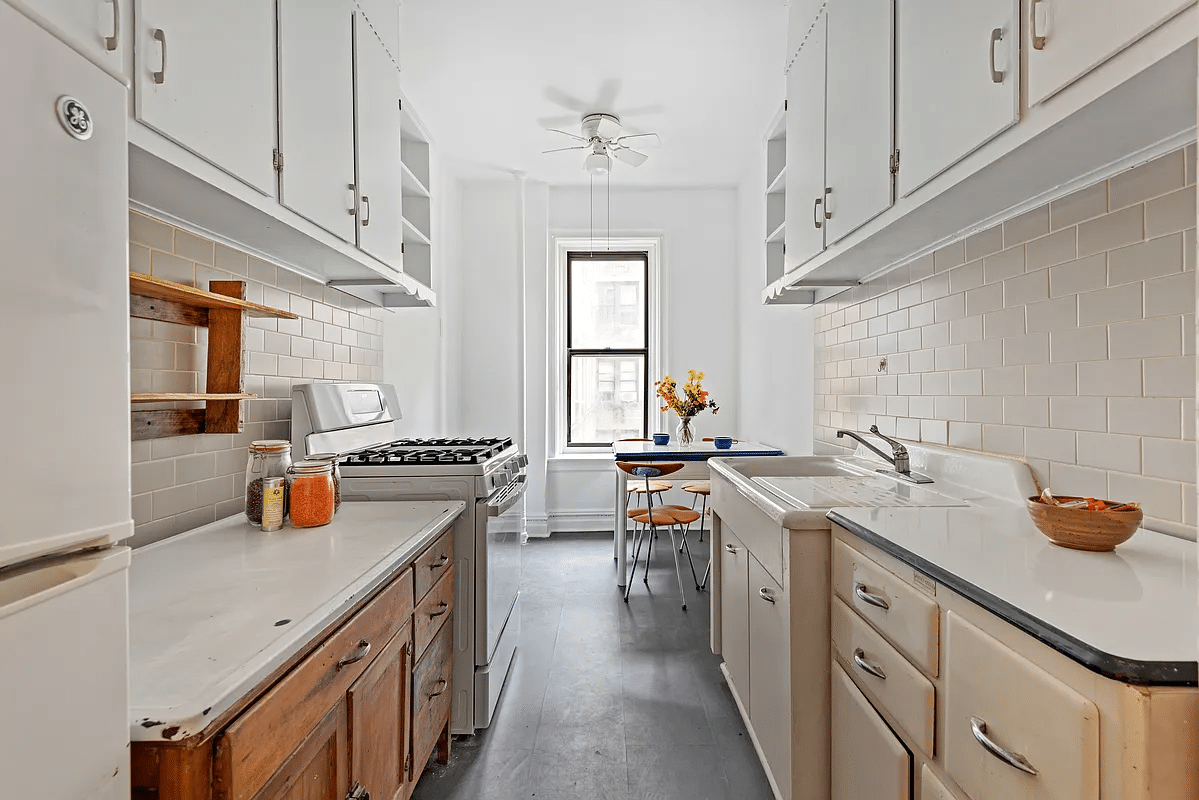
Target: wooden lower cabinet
x,y
869,760
379,706
317,770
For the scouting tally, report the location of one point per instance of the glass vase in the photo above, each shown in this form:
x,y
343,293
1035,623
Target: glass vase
x,y
685,433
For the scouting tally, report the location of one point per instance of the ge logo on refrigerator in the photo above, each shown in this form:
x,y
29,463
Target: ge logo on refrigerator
x,y
74,117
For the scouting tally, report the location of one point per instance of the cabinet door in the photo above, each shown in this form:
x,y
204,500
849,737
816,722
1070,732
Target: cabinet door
x,y
317,770
95,25
959,82
379,718
800,16
316,112
377,109
65,234
384,19
734,612
770,672
205,78
1065,39
859,124
804,232
869,761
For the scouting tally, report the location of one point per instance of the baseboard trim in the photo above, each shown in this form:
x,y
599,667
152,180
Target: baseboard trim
x,y
580,521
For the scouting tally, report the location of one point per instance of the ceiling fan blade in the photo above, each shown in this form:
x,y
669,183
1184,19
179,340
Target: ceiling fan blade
x,y
655,141
566,133
630,157
563,149
607,126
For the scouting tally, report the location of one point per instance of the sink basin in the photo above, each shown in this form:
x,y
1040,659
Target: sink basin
x,y
802,466
835,491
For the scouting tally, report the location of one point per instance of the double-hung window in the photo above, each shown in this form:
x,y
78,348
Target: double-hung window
x,y
607,347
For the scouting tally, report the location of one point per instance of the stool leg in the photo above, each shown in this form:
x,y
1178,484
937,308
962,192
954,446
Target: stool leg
x,y
678,568
636,552
649,550
703,585
702,515
692,563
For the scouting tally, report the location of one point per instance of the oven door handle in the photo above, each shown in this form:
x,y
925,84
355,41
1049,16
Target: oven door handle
x,y
508,498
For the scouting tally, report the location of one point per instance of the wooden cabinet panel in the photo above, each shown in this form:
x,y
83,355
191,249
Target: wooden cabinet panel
x,y
1022,709
910,620
804,232
1066,39
432,612
869,761
379,713
950,51
205,78
316,113
432,682
734,611
876,665
859,120
315,771
433,564
770,672
99,26
377,128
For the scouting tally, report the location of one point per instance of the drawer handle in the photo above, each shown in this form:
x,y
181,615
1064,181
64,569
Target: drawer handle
x,y
161,75
442,684
1035,22
766,595
441,609
731,549
979,728
859,658
870,598
439,563
359,653
114,41
996,37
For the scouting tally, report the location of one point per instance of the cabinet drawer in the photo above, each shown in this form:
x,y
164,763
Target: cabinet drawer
x,y
903,691
432,612
434,562
994,695
760,534
261,739
907,618
432,691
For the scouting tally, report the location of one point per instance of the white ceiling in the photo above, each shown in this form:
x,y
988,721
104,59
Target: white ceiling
x,y
488,76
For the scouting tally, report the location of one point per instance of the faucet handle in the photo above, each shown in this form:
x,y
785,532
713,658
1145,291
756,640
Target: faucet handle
x,y
896,446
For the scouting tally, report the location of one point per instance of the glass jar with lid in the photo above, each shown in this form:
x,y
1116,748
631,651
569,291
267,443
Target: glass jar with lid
x,y
334,459
310,493
268,458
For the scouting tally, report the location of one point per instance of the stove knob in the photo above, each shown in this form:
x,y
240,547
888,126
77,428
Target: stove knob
x,y
502,479
522,461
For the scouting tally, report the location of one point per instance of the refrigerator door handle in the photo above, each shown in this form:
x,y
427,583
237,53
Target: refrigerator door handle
x,y
39,581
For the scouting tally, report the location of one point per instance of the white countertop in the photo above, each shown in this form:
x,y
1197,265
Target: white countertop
x,y
1136,603
205,607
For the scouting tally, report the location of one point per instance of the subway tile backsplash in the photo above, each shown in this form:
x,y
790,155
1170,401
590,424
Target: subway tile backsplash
x,y
1064,336
182,482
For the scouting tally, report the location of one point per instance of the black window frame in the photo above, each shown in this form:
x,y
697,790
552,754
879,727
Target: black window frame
x,y
573,256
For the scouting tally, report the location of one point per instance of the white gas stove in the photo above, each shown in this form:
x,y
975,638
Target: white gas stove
x,y
358,422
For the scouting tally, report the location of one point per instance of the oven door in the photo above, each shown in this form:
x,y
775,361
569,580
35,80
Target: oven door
x,y
500,521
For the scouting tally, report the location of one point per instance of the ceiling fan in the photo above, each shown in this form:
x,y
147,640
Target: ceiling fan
x,y
601,136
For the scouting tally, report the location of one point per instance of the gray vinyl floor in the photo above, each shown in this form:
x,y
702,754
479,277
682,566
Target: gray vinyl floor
x,y
606,700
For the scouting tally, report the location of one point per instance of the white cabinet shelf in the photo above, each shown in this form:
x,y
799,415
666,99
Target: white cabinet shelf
x,y
412,184
776,194
418,199
413,235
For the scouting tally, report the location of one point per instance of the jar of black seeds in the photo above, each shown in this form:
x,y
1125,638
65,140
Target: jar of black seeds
x,y
268,458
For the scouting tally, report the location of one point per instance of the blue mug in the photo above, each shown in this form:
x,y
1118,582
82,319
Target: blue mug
x,y
723,442
661,438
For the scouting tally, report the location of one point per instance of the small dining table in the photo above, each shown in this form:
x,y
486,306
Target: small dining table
x,y
695,466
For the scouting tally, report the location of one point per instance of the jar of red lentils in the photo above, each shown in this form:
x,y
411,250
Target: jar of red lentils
x,y
310,493
334,459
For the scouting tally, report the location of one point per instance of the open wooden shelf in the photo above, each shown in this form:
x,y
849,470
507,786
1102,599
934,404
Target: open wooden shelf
x,y
147,286
187,397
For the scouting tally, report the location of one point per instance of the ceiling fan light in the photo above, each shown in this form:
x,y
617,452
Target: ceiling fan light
x,y
598,164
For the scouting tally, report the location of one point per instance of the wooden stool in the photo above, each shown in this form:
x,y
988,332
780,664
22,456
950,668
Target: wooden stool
x,y
651,519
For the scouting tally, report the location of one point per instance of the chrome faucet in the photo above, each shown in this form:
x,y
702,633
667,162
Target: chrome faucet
x,y
898,458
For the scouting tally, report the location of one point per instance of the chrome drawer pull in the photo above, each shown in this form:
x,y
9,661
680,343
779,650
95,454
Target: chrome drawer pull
x,y
359,653
441,562
870,598
731,549
979,729
443,607
859,658
766,595
443,683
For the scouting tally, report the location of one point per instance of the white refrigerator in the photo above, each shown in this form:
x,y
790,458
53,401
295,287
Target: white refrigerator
x,y
64,421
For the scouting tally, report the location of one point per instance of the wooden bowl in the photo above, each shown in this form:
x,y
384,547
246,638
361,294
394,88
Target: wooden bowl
x,y
1080,529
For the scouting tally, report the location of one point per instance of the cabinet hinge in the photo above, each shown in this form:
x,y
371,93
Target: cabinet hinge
x,y
895,162
359,792
401,248
408,767
277,160
785,105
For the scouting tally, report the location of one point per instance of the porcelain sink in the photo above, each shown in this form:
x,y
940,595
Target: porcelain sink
x,y
804,466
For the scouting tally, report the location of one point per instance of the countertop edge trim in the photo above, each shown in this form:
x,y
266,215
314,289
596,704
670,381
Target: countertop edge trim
x,y
1129,671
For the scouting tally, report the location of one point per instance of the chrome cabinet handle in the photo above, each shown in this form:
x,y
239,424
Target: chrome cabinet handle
x,y
441,562
443,683
366,211
359,653
443,607
870,598
161,36
815,216
996,37
731,549
979,728
114,41
766,595
859,658
1038,40
353,210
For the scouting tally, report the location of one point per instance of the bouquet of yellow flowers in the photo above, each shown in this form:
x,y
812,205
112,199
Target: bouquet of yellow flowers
x,y
694,399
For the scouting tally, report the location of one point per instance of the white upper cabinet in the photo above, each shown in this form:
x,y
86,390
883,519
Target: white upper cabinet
x,y
804,230
204,78
1065,39
383,16
316,113
801,15
377,106
958,82
100,27
859,126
